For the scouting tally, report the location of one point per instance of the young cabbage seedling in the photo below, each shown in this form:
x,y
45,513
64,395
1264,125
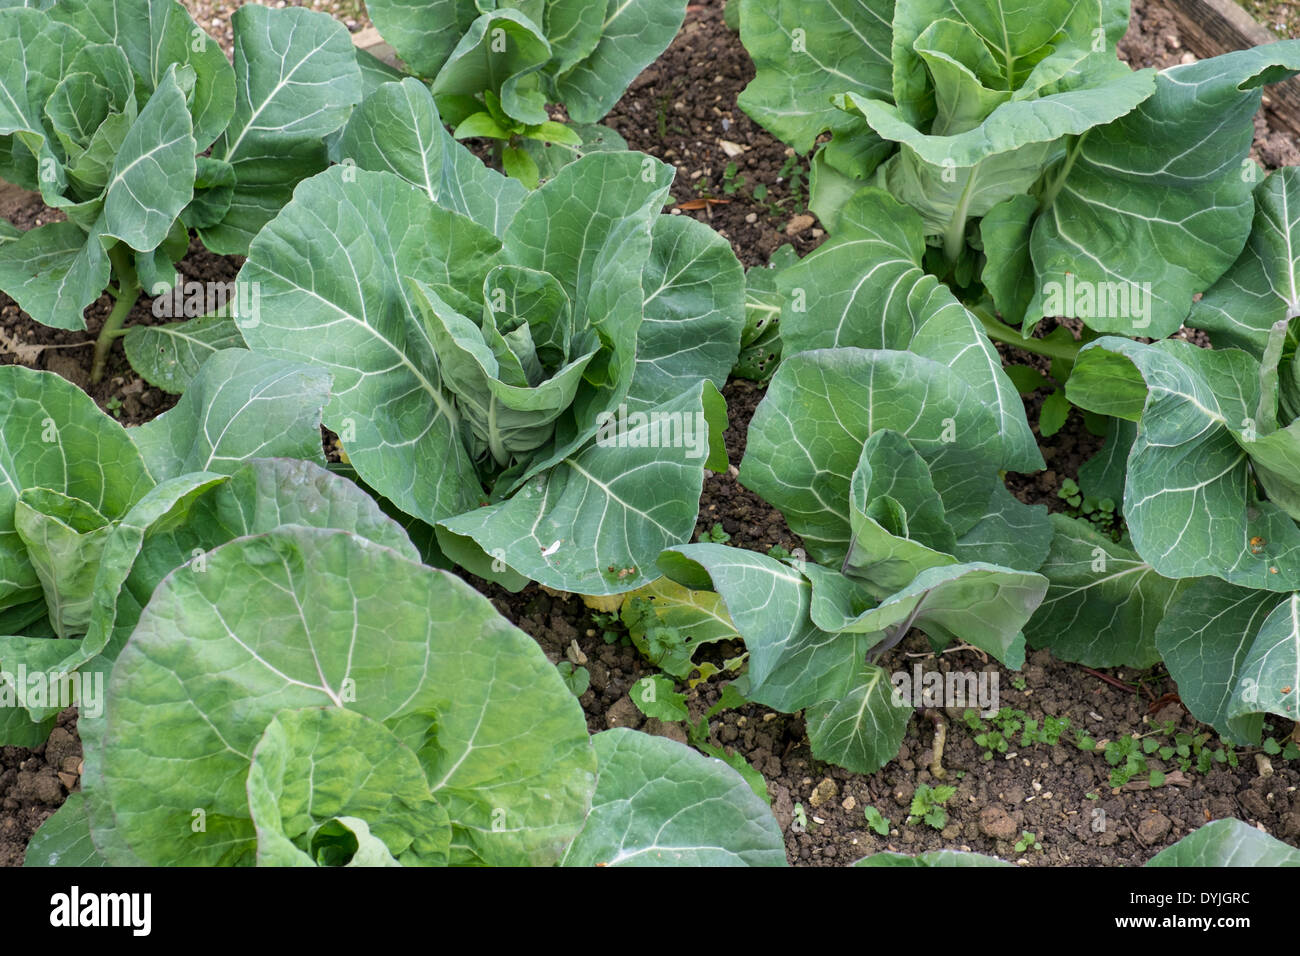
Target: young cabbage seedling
x,y
507,135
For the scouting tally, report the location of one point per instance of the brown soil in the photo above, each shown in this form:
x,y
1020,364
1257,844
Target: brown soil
x,y
681,110
34,783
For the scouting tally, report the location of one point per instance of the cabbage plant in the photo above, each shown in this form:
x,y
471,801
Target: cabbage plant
x,y
494,65
1051,179
888,472
1207,465
82,499
336,703
129,120
534,378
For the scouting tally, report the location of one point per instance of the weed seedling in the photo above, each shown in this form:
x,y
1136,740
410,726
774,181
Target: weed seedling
x,y
1028,841
577,679
715,535
927,805
877,821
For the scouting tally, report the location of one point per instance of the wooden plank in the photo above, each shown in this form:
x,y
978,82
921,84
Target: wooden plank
x,y
1211,27
370,41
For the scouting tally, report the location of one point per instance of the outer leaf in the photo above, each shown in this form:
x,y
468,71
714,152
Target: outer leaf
x,y
1205,641
659,803
64,839
1102,475
806,51
423,32
337,297
1175,217
397,129
298,81
241,405
52,272
1263,285
181,519
633,35
1270,674
866,288
612,507
980,603
863,729
282,621
1187,501
1227,843
1012,534
26,720
1105,605
694,312
169,356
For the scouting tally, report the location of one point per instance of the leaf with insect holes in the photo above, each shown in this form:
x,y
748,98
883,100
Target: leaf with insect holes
x,y
669,624
655,697
169,356
793,665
